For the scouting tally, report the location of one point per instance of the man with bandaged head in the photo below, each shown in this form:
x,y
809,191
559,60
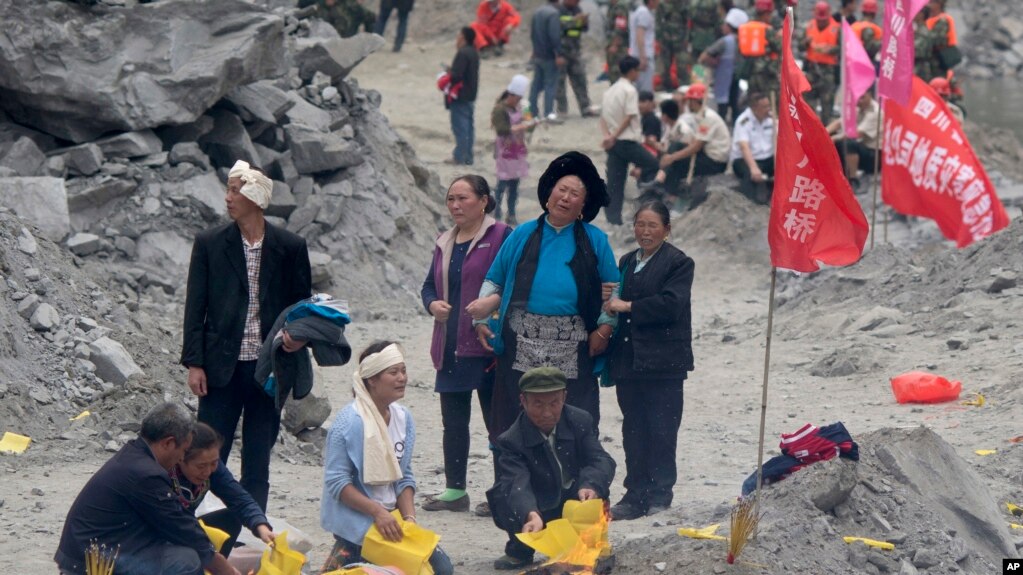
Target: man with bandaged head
x,y
241,276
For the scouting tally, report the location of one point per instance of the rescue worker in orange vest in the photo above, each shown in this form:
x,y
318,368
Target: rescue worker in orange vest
x,y
945,53
868,31
821,63
944,89
760,46
495,20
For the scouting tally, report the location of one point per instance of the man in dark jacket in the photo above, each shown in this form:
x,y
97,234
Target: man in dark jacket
x,y
242,275
130,505
549,455
545,35
465,74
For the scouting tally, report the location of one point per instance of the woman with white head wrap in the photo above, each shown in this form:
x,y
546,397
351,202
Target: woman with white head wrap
x,y
368,460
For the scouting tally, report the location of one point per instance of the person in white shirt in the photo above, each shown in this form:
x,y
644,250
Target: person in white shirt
x,y
641,42
753,144
858,153
620,126
678,134
709,148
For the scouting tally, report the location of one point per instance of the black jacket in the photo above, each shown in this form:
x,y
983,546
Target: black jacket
x,y
527,474
218,295
130,502
293,372
466,69
656,338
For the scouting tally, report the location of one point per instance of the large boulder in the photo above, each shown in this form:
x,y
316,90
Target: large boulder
x,y
206,188
113,363
336,57
41,201
315,151
79,72
24,157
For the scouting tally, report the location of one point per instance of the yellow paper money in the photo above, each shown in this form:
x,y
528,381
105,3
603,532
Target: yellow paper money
x,y
703,533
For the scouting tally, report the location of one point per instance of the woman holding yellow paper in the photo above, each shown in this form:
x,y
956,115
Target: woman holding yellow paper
x,y
201,472
368,461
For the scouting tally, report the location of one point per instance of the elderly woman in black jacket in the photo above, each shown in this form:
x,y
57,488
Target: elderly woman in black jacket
x,y
651,354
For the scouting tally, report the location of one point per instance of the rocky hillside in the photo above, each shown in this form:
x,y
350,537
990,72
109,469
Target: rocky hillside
x,y
118,122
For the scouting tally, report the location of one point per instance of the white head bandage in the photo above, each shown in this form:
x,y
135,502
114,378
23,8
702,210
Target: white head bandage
x,y
380,466
255,185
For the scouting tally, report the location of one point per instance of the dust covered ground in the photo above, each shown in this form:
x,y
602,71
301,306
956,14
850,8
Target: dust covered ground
x,y
839,336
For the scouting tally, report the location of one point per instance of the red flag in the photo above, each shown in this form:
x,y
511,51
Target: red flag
x,y
814,216
930,169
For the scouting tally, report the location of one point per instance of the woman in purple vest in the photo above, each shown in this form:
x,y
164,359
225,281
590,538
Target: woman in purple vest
x,y
461,258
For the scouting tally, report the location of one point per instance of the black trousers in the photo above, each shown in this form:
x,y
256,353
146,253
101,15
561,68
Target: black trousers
x,y
455,413
223,406
652,414
228,522
759,192
856,147
623,153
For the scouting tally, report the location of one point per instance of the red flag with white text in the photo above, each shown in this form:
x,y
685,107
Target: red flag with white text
x,y
930,169
815,218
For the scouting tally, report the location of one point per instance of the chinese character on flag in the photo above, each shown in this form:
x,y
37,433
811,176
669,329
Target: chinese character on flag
x,y
815,218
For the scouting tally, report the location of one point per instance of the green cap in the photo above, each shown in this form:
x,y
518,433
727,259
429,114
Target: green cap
x,y
542,380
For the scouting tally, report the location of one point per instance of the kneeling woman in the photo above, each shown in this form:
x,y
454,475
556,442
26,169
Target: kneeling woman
x,y
368,461
202,472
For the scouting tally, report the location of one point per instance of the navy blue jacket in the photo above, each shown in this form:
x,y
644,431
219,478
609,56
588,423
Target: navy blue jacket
x,y
130,502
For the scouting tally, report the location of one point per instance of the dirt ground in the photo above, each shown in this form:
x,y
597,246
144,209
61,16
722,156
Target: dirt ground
x,y
718,439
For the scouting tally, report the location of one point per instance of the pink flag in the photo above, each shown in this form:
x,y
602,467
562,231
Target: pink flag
x,y
859,75
896,79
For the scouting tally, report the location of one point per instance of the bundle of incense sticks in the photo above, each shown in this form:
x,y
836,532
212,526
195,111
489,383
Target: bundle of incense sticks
x,y
100,559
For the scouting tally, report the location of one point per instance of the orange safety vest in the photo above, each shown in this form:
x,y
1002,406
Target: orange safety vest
x,y
859,26
951,27
753,39
825,38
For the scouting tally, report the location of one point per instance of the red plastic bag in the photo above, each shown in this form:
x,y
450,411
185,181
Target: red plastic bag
x,y
923,387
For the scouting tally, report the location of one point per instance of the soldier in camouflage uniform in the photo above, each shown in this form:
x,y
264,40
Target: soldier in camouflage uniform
x,y
573,24
922,47
821,44
346,16
617,31
763,72
942,31
705,25
672,36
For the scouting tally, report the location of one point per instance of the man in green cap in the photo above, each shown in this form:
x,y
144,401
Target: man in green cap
x,y
549,455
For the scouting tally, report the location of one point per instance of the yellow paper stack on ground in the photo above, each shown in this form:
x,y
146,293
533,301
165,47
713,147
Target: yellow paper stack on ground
x,y
14,443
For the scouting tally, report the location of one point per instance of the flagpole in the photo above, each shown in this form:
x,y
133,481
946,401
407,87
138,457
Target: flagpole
x,y
877,166
767,372
842,83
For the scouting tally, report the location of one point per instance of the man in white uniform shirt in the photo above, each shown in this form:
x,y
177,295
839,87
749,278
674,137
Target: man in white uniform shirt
x,y
620,127
752,152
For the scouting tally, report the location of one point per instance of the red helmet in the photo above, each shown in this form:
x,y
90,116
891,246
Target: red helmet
x,y
941,86
869,7
821,10
696,92
763,5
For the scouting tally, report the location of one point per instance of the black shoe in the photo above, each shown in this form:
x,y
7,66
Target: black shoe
x,y
623,511
511,221
508,563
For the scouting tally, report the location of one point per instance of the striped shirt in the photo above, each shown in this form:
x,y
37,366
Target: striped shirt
x,y
251,340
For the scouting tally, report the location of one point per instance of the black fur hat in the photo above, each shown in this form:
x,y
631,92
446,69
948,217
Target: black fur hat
x,y
579,165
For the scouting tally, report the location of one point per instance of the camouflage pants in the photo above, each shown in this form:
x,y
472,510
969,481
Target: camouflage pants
x,y
673,52
822,88
575,72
